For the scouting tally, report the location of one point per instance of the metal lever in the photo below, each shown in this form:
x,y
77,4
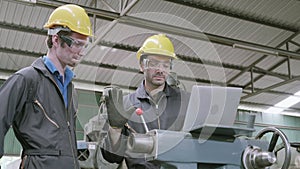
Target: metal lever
x,y
139,112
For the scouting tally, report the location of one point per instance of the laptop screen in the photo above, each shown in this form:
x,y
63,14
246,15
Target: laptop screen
x,y
212,105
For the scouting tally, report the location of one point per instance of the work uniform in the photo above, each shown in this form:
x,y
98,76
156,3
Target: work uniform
x,y
166,112
32,102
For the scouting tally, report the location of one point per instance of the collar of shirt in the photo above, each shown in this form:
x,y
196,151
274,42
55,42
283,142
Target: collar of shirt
x,y
142,93
61,83
69,74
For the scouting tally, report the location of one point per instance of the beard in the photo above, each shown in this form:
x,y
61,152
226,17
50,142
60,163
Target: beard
x,y
158,79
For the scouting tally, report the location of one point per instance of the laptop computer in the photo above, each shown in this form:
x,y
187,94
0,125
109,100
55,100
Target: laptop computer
x,y
212,106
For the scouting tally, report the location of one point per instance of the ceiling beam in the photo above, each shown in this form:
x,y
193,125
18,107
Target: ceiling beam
x,y
21,52
22,28
103,14
198,60
194,34
261,59
143,23
270,87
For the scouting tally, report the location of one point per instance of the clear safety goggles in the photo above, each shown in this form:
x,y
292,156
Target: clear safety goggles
x,y
155,64
75,44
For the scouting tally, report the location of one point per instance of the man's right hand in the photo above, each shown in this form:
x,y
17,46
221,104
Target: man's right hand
x,y
117,115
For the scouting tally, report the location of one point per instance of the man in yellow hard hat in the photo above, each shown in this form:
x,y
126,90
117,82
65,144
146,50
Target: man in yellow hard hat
x,y
163,106
39,101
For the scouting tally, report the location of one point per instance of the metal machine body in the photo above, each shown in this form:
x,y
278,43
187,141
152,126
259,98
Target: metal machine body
x,y
295,156
219,147
209,147
184,150
89,153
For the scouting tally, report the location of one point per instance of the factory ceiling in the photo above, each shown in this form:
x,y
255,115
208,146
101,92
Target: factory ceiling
x,y
251,44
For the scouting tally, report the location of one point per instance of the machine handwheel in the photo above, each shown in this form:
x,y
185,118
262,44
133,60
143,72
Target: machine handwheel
x,y
276,134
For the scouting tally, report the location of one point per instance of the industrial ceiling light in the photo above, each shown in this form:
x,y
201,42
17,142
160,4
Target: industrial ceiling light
x,y
274,110
284,104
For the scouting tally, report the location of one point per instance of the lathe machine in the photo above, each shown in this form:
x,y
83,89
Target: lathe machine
x,y
226,147
205,147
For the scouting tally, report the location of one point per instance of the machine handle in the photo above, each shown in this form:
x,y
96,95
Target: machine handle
x,y
273,142
140,112
277,133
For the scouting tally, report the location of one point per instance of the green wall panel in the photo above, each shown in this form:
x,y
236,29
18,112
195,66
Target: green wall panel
x,y
86,113
12,145
288,124
88,98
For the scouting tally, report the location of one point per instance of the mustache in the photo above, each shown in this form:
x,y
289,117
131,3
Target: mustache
x,y
160,74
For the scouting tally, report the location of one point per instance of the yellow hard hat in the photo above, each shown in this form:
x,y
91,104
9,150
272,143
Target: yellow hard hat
x,y
72,16
157,44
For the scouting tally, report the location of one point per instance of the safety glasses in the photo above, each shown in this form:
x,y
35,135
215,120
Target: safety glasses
x,y
74,43
155,64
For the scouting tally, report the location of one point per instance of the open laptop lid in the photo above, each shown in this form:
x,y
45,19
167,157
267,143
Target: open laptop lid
x,y
212,106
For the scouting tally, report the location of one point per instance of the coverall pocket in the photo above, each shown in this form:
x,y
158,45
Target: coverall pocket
x,y
39,105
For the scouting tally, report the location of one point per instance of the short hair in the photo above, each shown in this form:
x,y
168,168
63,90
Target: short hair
x,y
142,58
49,38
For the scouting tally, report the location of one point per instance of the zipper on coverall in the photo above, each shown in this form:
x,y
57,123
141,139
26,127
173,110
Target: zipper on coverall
x,y
69,127
70,137
156,109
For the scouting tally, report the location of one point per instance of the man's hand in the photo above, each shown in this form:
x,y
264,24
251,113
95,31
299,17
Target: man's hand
x,y
117,115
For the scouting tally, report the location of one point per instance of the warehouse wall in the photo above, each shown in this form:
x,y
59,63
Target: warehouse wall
x,y
290,125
